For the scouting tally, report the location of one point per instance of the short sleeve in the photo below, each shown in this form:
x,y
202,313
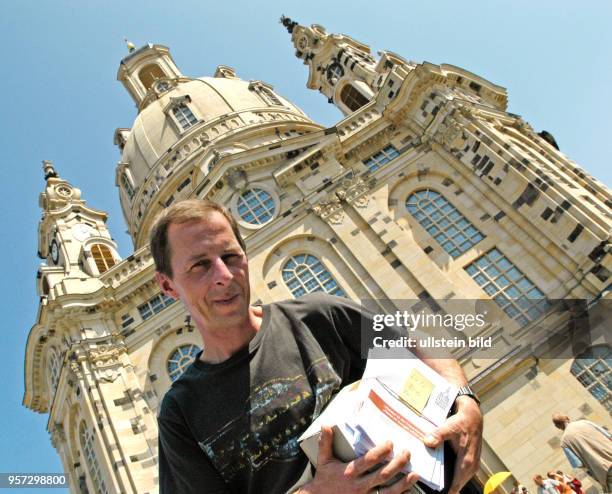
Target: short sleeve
x,y
183,466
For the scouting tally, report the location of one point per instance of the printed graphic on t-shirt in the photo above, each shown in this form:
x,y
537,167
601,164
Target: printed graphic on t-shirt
x,y
275,416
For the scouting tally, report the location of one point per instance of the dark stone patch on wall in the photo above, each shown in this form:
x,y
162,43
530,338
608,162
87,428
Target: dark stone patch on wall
x,y
574,235
528,196
547,213
598,252
396,263
428,249
355,232
485,217
499,216
271,285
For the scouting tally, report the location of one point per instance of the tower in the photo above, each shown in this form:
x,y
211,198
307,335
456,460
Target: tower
x,y
427,188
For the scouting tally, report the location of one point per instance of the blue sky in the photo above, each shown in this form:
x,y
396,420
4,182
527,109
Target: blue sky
x,y
61,102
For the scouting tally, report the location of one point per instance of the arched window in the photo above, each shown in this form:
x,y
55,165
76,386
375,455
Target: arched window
x,y
103,257
352,98
180,359
127,186
305,273
519,298
149,74
256,206
184,116
269,96
95,474
593,369
443,222
55,367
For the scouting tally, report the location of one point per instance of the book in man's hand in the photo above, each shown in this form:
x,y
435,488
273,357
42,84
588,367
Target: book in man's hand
x,y
398,399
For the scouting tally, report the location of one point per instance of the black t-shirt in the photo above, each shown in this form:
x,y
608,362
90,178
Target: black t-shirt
x,y
233,427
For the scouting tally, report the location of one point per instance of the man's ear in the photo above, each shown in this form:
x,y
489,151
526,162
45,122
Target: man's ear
x,y
166,285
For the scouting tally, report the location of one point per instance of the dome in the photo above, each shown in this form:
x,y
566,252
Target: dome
x,y
182,124
153,133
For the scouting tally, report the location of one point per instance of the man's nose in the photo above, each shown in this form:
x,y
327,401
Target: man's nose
x,y
221,273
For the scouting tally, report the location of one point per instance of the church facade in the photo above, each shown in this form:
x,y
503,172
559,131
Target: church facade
x,y
427,189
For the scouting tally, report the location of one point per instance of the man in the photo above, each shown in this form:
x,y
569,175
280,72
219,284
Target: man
x,y
231,422
546,486
587,445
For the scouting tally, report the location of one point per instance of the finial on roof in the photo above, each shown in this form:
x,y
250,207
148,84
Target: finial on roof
x,y
49,170
288,23
130,46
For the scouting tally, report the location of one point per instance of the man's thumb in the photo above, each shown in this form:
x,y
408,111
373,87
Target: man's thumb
x,y
434,439
326,440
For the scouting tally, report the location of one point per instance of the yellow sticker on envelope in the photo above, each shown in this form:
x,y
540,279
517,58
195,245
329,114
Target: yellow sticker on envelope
x,y
417,390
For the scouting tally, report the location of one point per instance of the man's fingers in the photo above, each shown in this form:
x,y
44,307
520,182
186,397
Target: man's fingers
x,y
372,458
444,432
386,472
401,486
465,468
326,451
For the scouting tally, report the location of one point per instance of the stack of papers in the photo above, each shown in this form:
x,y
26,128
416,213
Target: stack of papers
x,y
398,399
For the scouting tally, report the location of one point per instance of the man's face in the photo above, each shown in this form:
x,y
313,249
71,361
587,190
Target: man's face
x,y
210,273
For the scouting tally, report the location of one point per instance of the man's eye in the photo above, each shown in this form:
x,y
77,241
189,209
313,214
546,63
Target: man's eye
x,y
231,258
200,265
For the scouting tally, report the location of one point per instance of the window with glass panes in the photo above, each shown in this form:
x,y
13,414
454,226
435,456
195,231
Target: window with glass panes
x,y
184,116
95,474
443,221
256,206
127,186
381,157
180,359
352,98
154,305
55,367
593,369
519,298
126,320
305,273
103,257
268,95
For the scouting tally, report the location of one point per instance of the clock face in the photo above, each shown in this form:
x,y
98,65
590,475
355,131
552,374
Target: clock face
x,y
81,231
303,42
54,251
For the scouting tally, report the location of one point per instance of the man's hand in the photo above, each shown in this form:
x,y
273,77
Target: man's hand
x,y
464,431
336,477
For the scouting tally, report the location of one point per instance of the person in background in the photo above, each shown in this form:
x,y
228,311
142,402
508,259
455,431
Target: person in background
x,y
519,488
545,486
563,487
587,445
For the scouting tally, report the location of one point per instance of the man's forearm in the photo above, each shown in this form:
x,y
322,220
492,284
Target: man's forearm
x,y
448,368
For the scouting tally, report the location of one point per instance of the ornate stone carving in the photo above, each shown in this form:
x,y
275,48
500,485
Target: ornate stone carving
x,y
353,190
330,210
107,355
58,435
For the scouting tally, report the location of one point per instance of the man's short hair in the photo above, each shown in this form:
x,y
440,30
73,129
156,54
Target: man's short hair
x,y
560,420
183,212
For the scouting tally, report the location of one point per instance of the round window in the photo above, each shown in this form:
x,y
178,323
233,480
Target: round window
x,y
256,206
180,359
